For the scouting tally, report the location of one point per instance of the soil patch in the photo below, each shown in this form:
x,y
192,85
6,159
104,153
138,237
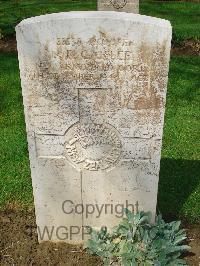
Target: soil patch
x,y
8,46
188,47
19,246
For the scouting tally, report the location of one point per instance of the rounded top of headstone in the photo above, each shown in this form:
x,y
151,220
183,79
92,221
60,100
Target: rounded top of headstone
x,y
136,18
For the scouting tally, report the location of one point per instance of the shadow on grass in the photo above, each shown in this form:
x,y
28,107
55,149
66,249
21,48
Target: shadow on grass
x,y
178,181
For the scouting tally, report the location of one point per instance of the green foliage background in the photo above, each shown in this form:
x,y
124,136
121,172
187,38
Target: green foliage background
x,y
179,187
184,16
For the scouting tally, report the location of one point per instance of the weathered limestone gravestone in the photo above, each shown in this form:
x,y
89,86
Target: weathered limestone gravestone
x,y
94,87
129,6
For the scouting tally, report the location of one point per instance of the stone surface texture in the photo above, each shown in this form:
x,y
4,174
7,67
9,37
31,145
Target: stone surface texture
x,y
129,6
94,87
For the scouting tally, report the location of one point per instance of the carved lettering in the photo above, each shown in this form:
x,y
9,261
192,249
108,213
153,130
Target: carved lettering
x,y
118,3
95,147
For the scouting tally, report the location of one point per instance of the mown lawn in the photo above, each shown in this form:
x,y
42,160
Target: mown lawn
x,y
15,182
179,189
184,16
13,11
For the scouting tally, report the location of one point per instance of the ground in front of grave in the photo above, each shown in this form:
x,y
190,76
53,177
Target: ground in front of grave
x,y
19,246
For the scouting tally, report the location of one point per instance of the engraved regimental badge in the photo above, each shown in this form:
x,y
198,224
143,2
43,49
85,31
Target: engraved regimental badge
x,y
93,146
118,3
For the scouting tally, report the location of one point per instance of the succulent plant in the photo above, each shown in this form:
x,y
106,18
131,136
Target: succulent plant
x,y
135,241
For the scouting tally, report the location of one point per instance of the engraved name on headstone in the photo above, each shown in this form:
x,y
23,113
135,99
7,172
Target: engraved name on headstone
x,y
94,87
129,6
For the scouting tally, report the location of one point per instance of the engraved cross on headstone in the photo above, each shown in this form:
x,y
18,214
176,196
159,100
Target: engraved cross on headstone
x,y
90,144
109,115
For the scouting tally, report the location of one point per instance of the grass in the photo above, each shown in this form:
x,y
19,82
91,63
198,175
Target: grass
x,y
184,16
179,188
15,182
13,11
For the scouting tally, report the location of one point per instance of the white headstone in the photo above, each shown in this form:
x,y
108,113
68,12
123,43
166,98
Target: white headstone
x,y
94,87
129,6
